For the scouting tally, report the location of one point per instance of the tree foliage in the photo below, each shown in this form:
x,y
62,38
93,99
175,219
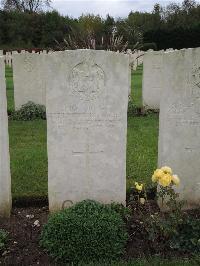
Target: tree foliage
x,y
25,5
173,26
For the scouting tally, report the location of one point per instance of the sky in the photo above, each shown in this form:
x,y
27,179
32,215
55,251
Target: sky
x,y
116,8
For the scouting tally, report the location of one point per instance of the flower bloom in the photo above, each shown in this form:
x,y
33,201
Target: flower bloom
x,y
166,170
139,187
175,180
157,175
164,177
165,180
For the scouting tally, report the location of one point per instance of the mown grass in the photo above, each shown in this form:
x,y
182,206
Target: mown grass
x,y
136,81
142,146
29,152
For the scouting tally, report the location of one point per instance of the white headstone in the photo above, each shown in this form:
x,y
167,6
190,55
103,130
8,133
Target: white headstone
x,y
152,79
7,58
1,52
5,179
87,97
10,59
140,57
179,138
29,81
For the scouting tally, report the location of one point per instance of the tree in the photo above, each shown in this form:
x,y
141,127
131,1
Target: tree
x,y
29,6
187,5
109,25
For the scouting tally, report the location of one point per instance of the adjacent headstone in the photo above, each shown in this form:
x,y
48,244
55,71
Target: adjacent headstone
x,y
140,56
1,52
10,59
179,138
29,81
7,58
152,79
87,97
5,179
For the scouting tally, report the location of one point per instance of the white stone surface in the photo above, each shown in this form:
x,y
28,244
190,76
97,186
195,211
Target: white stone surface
x,y
179,136
1,52
152,79
29,81
140,57
5,180
87,98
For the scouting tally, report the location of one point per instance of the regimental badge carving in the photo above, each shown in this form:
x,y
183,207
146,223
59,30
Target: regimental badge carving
x,y
87,81
28,64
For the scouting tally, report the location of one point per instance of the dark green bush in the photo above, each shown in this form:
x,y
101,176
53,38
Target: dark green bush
x,y
29,111
3,239
86,232
147,46
187,238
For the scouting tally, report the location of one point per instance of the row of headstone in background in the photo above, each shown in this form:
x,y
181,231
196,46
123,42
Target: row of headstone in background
x,y
5,179
8,57
152,79
152,83
29,79
28,76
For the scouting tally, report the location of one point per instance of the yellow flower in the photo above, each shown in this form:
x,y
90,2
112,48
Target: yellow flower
x,y
139,187
165,180
175,180
167,170
157,175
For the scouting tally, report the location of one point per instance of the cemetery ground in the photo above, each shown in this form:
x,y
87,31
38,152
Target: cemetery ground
x,y
28,152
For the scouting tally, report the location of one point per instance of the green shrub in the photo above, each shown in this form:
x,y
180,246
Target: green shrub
x,y
86,232
187,238
3,239
29,111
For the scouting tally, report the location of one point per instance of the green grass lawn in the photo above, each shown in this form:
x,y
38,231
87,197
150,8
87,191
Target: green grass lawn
x,y
29,152
136,81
